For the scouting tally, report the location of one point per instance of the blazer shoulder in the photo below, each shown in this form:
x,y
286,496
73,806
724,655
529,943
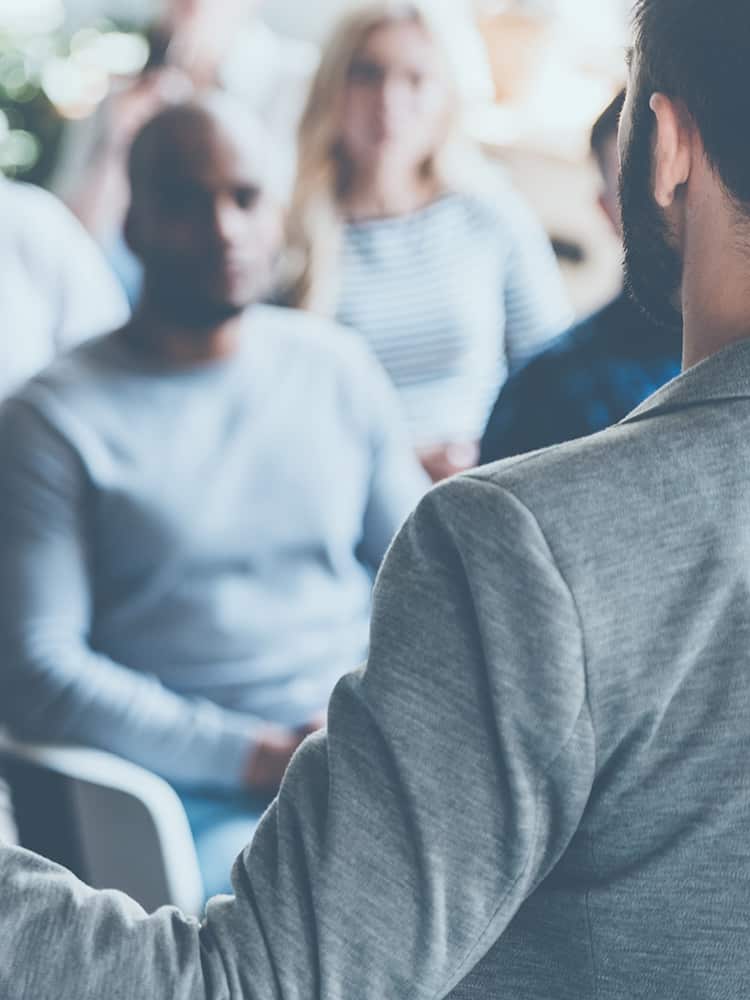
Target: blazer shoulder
x,y
584,467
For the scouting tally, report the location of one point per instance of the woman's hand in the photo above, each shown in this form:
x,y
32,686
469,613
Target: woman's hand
x,y
448,460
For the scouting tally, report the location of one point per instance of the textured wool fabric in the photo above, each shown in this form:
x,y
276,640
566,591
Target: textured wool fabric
x,y
538,786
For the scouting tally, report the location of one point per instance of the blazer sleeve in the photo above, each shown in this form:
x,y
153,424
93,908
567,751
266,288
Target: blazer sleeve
x,y
453,775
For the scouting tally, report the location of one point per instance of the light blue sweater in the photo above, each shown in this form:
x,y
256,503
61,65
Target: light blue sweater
x,y
184,553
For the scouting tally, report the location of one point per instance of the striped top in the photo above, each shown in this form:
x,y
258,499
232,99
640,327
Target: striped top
x,y
451,299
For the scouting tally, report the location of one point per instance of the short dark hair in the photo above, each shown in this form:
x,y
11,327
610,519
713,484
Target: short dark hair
x,y
606,125
698,52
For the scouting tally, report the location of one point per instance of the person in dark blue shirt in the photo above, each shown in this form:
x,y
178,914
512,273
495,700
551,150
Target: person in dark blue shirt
x,y
596,373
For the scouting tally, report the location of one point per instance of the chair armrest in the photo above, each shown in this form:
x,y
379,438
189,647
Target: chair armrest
x,y
124,812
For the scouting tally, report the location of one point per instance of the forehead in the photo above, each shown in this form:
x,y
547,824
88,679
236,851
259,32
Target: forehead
x,y
209,156
404,43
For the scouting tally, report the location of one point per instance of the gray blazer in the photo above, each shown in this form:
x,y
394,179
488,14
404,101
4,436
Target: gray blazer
x,y
539,787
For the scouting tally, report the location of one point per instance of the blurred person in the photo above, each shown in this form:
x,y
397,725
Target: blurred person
x,y
268,71
401,231
55,291
194,505
537,788
600,370
196,45
55,287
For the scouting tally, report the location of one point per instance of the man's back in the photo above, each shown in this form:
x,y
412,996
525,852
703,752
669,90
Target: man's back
x,y
648,525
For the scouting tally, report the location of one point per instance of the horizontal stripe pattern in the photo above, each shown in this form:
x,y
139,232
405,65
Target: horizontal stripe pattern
x,y
451,299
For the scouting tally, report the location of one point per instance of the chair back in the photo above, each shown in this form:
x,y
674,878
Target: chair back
x,y
113,824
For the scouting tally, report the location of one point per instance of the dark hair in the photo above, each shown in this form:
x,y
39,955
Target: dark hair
x,y
605,126
698,52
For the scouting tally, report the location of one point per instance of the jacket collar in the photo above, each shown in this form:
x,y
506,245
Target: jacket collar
x,y
723,376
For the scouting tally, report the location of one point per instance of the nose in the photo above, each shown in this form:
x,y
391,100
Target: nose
x,y
390,95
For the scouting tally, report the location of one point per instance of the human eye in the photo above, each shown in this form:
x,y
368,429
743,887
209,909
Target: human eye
x,y
246,197
365,71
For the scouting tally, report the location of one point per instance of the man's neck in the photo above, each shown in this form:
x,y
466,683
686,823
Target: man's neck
x,y
716,282
174,344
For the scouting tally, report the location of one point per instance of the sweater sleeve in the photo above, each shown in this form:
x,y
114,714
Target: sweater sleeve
x,y
536,304
454,773
53,685
397,480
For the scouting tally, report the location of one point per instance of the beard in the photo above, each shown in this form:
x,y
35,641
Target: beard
x,y
181,302
653,265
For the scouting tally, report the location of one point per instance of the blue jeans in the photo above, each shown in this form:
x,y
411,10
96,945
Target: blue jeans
x,y
222,825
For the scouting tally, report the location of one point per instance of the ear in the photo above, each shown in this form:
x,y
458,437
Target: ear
x,y
673,149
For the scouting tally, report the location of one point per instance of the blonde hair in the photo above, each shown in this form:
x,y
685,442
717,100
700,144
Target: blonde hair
x,y
316,221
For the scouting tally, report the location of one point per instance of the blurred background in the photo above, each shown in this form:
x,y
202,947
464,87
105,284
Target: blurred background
x,y
535,74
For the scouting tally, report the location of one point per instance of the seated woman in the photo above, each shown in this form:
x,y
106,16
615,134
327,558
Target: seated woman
x,y
400,230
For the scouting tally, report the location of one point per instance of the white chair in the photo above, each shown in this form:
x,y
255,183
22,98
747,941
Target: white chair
x,y
115,825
